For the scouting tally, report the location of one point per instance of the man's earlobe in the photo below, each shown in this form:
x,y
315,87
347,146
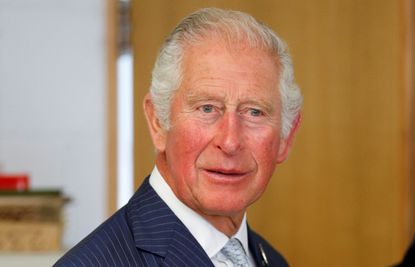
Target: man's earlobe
x,y
286,143
157,132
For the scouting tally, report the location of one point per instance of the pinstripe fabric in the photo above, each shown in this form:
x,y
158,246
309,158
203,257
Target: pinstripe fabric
x,y
146,232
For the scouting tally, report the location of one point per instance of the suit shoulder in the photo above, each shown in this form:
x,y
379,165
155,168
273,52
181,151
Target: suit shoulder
x,y
265,252
103,246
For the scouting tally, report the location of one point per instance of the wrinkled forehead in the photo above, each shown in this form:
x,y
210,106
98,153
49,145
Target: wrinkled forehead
x,y
232,39
219,50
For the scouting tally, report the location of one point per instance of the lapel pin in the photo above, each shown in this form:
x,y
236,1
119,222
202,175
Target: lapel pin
x,y
263,255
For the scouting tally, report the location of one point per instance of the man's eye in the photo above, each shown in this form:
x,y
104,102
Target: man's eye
x,y
255,112
207,108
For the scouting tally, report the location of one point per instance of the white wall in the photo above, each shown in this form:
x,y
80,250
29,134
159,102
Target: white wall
x,y
53,102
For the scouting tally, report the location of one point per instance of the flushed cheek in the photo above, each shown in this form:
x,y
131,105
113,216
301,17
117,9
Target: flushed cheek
x,y
185,146
266,135
265,152
187,137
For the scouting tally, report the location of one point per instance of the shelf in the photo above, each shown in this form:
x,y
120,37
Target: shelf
x,y
33,259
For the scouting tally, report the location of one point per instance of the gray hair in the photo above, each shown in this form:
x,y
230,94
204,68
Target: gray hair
x,y
229,25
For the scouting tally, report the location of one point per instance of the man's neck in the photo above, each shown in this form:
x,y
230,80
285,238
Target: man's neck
x,y
227,225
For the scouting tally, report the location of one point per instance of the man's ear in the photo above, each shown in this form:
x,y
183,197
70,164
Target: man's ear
x,y
286,143
157,132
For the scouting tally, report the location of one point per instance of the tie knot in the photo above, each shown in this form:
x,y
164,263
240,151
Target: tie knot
x,y
234,251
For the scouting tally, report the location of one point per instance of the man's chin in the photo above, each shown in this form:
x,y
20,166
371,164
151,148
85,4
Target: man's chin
x,y
220,209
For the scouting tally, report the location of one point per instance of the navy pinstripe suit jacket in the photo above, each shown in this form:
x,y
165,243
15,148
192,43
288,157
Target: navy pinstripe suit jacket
x,y
146,232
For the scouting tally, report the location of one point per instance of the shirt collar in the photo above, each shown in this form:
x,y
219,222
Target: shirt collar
x,y
211,239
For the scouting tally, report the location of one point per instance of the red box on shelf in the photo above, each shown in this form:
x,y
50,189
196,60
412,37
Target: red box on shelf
x,y
15,182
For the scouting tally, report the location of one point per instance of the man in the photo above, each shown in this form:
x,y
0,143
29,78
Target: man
x,y
222,112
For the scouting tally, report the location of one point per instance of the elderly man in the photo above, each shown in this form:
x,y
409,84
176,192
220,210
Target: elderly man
x,y
222,112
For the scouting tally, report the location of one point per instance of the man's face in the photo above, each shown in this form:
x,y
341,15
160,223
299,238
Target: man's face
x,y
224,141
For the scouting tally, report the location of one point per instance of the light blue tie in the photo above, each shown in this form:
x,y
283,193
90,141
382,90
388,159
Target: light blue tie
x,y
234,251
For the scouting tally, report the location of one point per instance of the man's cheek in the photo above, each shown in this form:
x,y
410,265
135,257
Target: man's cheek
x,y
192,141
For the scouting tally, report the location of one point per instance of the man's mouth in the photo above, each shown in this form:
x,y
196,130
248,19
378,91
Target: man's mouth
x,y
226,173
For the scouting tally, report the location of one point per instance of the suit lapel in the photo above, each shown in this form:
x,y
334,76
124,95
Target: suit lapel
x,y
184,250
157,230
257,250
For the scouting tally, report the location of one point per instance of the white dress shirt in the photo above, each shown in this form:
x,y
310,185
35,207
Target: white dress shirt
x,y
210,239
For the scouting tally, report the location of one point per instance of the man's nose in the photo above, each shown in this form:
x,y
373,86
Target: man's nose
x,y
229,136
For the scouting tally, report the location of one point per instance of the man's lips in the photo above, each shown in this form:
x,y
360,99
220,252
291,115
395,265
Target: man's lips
x,y
226,172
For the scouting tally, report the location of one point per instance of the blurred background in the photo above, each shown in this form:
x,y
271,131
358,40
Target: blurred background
x,y
73,75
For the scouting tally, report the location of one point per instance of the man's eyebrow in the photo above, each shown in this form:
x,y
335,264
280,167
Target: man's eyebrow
x,y
194,96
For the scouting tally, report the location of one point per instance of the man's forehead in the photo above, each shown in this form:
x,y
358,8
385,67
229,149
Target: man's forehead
x,y
213,58
222,87
232,44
